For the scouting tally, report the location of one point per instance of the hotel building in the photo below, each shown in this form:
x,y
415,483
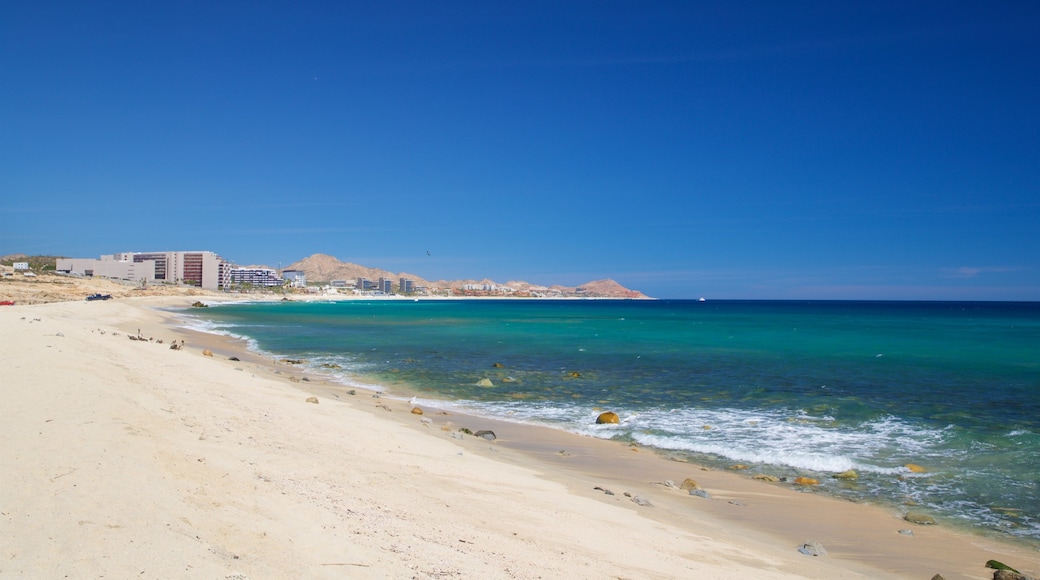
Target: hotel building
x,y
203,269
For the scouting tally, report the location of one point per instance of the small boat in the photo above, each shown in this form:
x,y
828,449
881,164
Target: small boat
x,y
701,299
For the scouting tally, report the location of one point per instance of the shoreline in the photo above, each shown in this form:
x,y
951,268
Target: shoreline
x,y
752,525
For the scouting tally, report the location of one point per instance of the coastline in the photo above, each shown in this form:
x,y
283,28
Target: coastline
x,y
228,457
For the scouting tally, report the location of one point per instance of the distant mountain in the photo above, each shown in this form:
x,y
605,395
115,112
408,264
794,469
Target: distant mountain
x,y
322,268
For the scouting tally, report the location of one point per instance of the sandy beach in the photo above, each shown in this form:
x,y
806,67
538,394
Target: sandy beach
x,y
126,458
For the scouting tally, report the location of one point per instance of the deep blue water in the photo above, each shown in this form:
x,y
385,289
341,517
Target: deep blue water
x,y
789,388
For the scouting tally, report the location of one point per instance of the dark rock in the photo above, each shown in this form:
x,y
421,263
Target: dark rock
x,y
232,358
489,435
466,431
1008,575
938,577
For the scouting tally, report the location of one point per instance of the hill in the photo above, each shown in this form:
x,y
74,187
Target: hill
x,y
322,268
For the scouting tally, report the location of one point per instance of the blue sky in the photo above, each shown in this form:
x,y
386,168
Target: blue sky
x,y
788,150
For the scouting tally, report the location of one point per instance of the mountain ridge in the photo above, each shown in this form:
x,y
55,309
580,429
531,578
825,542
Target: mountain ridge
x,y
325,268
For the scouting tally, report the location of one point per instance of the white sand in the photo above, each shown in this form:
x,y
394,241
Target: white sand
x,y
126,459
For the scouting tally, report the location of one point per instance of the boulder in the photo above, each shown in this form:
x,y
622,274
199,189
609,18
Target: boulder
x,y
485,382
700,493
207,352
417,411
642,501
485,434
689,483
806,481
764,477
915,468
497,365
812,549
738,467
920,519
1008,575
608,417
312,400
847,474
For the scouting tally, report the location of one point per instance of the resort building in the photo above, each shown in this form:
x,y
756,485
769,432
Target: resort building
x,y
406,286
203,269
295,278
386,286
256,277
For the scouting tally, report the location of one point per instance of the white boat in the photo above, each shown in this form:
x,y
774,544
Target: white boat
x,y
701,299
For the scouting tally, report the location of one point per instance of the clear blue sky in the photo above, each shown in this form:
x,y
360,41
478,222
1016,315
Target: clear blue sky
x,y
873,150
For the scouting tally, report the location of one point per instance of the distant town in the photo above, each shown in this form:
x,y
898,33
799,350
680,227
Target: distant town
x,y
208,270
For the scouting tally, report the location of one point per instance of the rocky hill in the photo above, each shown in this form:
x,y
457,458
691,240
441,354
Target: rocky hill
x,y
322,268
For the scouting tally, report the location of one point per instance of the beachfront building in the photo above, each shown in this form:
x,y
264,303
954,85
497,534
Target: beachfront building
x,y
203,269
295,278
365,285
255,277
406,286
386,286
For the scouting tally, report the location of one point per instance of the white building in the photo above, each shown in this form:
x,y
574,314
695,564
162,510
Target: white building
x,y
296,278
257,277
203,269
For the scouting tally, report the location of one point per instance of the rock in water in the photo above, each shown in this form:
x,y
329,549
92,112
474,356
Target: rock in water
x,y
608,417
812,549
919,518
485,382
848,474
764,477
806,481
914,468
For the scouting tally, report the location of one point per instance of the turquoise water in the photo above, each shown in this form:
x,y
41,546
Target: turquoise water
x,y
789,388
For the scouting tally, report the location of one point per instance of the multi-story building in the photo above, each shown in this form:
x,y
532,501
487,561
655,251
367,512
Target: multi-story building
x,y
204,269
386,286
257,277
295,278
406,286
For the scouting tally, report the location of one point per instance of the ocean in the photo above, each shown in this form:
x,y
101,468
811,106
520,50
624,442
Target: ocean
x,y
788,388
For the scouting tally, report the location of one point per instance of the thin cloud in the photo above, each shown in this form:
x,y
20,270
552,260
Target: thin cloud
x,y
975,271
